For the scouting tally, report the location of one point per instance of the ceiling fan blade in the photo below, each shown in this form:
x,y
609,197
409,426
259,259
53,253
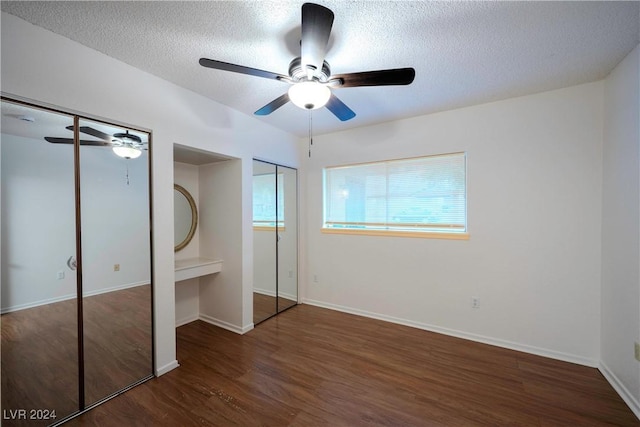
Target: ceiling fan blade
x,y
93,132
70,141
396,76
273,105
339,109
225,66
316,29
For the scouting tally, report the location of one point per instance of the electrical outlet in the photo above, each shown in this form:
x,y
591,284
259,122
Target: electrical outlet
x,y
475,302
637,351
315,278
290,274
60,275
116,267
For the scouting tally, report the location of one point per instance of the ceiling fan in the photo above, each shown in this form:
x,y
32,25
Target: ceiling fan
x,y
125,144
309,74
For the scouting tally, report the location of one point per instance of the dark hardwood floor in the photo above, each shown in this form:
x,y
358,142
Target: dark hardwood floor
x,y
40,352
315,367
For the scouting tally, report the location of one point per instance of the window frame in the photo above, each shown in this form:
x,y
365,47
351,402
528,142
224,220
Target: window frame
x,y
446,231
277,223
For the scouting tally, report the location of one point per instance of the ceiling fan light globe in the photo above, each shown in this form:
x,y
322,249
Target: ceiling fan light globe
x,y
309,95
126,151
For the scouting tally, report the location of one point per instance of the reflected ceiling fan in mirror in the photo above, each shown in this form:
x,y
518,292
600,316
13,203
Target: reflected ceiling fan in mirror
x,y
310,75
125,145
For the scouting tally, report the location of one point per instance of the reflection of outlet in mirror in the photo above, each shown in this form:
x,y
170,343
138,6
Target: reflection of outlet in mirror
x,y
116,267
475,302
60,275
315,278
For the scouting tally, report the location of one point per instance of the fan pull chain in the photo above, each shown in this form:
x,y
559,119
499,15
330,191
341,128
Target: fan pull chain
x,y
127,173
310,133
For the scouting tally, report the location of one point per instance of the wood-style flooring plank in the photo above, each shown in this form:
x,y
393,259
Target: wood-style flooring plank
x,y
316,367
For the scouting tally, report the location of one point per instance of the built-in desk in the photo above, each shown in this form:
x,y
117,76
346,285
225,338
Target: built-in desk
x,y
196,267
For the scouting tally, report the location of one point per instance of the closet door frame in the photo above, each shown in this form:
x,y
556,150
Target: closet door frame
x,y
77,117
277,238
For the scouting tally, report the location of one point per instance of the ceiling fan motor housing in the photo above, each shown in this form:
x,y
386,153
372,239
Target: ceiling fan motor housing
x,y
298,73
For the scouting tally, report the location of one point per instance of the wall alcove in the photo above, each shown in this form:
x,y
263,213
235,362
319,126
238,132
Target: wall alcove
x,y
208,267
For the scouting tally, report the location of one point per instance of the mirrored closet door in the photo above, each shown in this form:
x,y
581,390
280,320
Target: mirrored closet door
x,y
116,258
40,365
76,262
287,241
275,239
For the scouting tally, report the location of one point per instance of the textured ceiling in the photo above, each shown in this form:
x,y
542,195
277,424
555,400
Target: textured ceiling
x,y
464,53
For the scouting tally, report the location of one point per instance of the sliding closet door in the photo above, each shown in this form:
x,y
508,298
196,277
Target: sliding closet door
x,y
275,239
116,261
40,373
265,220
287,238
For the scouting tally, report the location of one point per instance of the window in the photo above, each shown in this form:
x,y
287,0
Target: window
x,y
266,193
424,196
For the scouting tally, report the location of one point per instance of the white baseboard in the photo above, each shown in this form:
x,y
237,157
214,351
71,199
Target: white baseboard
x,y
216,322
226,325
166,368
186,320
620,388
593,363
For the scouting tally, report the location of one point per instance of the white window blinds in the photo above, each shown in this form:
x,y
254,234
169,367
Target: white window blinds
x,y
419,194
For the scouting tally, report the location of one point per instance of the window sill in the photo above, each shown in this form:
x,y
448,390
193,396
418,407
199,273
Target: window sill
x,y
396,233
267,228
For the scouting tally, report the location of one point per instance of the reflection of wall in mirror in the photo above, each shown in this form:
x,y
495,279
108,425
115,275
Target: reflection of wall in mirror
x,y
38,221
115,219
187,293
264,244
264,262
288,245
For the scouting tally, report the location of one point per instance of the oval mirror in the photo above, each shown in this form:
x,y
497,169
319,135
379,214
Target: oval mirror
x,y
185,217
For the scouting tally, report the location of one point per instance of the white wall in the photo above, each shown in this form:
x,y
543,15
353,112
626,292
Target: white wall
x,y
221,294
621,229
534,214
187,291
81,79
